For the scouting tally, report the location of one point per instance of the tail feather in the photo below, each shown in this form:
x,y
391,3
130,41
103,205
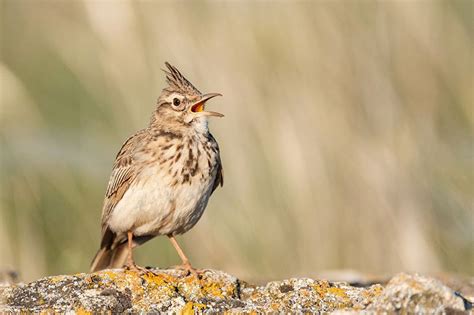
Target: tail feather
x,y
107,258
114,250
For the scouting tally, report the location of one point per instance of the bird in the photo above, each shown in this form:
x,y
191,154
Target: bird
x,y
162,176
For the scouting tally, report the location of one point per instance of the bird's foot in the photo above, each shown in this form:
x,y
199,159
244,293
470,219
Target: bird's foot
x,y
138,269
186,266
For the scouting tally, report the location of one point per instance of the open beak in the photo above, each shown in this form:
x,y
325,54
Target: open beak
x,y
198,107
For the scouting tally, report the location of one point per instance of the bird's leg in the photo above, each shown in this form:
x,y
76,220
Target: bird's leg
x,y
130,262
130,265
186,265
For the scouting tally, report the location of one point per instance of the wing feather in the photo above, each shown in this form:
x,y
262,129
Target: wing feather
x,y
123,174
219,177
219,180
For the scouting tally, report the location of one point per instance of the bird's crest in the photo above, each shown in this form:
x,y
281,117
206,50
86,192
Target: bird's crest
x,y
178,82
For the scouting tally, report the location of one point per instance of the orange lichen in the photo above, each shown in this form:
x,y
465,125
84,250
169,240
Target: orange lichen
x,y
338,292
81,311
212,288
373,291
191,308
321,288
275,306
111,274
187,309
158,280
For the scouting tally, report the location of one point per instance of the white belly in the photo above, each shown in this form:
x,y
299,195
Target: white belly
x,y
152,206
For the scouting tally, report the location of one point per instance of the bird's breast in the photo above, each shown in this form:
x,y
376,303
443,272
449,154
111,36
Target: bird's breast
x,y
170,193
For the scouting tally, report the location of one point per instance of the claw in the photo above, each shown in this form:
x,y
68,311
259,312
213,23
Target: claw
x,y
190,270
137,269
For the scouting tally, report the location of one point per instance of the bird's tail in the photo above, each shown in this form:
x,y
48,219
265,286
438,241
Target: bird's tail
x,y
112,253
108,258
113,250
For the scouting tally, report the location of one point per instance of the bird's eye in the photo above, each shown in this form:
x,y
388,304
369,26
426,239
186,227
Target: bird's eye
x,y
176,101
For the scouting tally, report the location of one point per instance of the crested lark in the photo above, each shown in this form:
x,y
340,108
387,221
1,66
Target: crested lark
x,y
162,177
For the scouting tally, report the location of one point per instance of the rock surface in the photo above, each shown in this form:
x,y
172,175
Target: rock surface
x,y
172,290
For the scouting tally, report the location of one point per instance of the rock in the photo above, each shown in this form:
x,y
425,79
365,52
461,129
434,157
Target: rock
x,y
417,294
172,290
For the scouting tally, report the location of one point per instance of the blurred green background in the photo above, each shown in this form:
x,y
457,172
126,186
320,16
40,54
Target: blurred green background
x,y
347,141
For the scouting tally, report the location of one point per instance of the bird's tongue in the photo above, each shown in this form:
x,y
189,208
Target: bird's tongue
x,y
199,107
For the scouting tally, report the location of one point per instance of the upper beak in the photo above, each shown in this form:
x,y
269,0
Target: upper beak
x,y
198,107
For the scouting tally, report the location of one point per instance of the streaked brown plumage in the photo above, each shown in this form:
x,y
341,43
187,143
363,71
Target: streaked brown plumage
x,y
162,176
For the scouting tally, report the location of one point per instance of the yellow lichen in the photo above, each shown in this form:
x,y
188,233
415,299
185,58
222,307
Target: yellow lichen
x,y
111,274
255,295
275,306
200,306
338,292
189,280
155,279
377,289
55,279
304,292
321,288
373,291
81,311
213,289
188,309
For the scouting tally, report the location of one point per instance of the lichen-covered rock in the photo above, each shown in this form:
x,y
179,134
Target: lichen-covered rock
x,y
174,291
417,294
307,295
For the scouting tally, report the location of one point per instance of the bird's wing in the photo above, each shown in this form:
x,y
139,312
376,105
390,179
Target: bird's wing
x,y
123,174
219,177
219,180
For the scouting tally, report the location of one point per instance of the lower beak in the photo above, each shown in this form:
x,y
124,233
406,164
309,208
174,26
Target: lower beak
x,y
198,107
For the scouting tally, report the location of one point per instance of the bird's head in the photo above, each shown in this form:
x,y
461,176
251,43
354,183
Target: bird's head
x,y
181,104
